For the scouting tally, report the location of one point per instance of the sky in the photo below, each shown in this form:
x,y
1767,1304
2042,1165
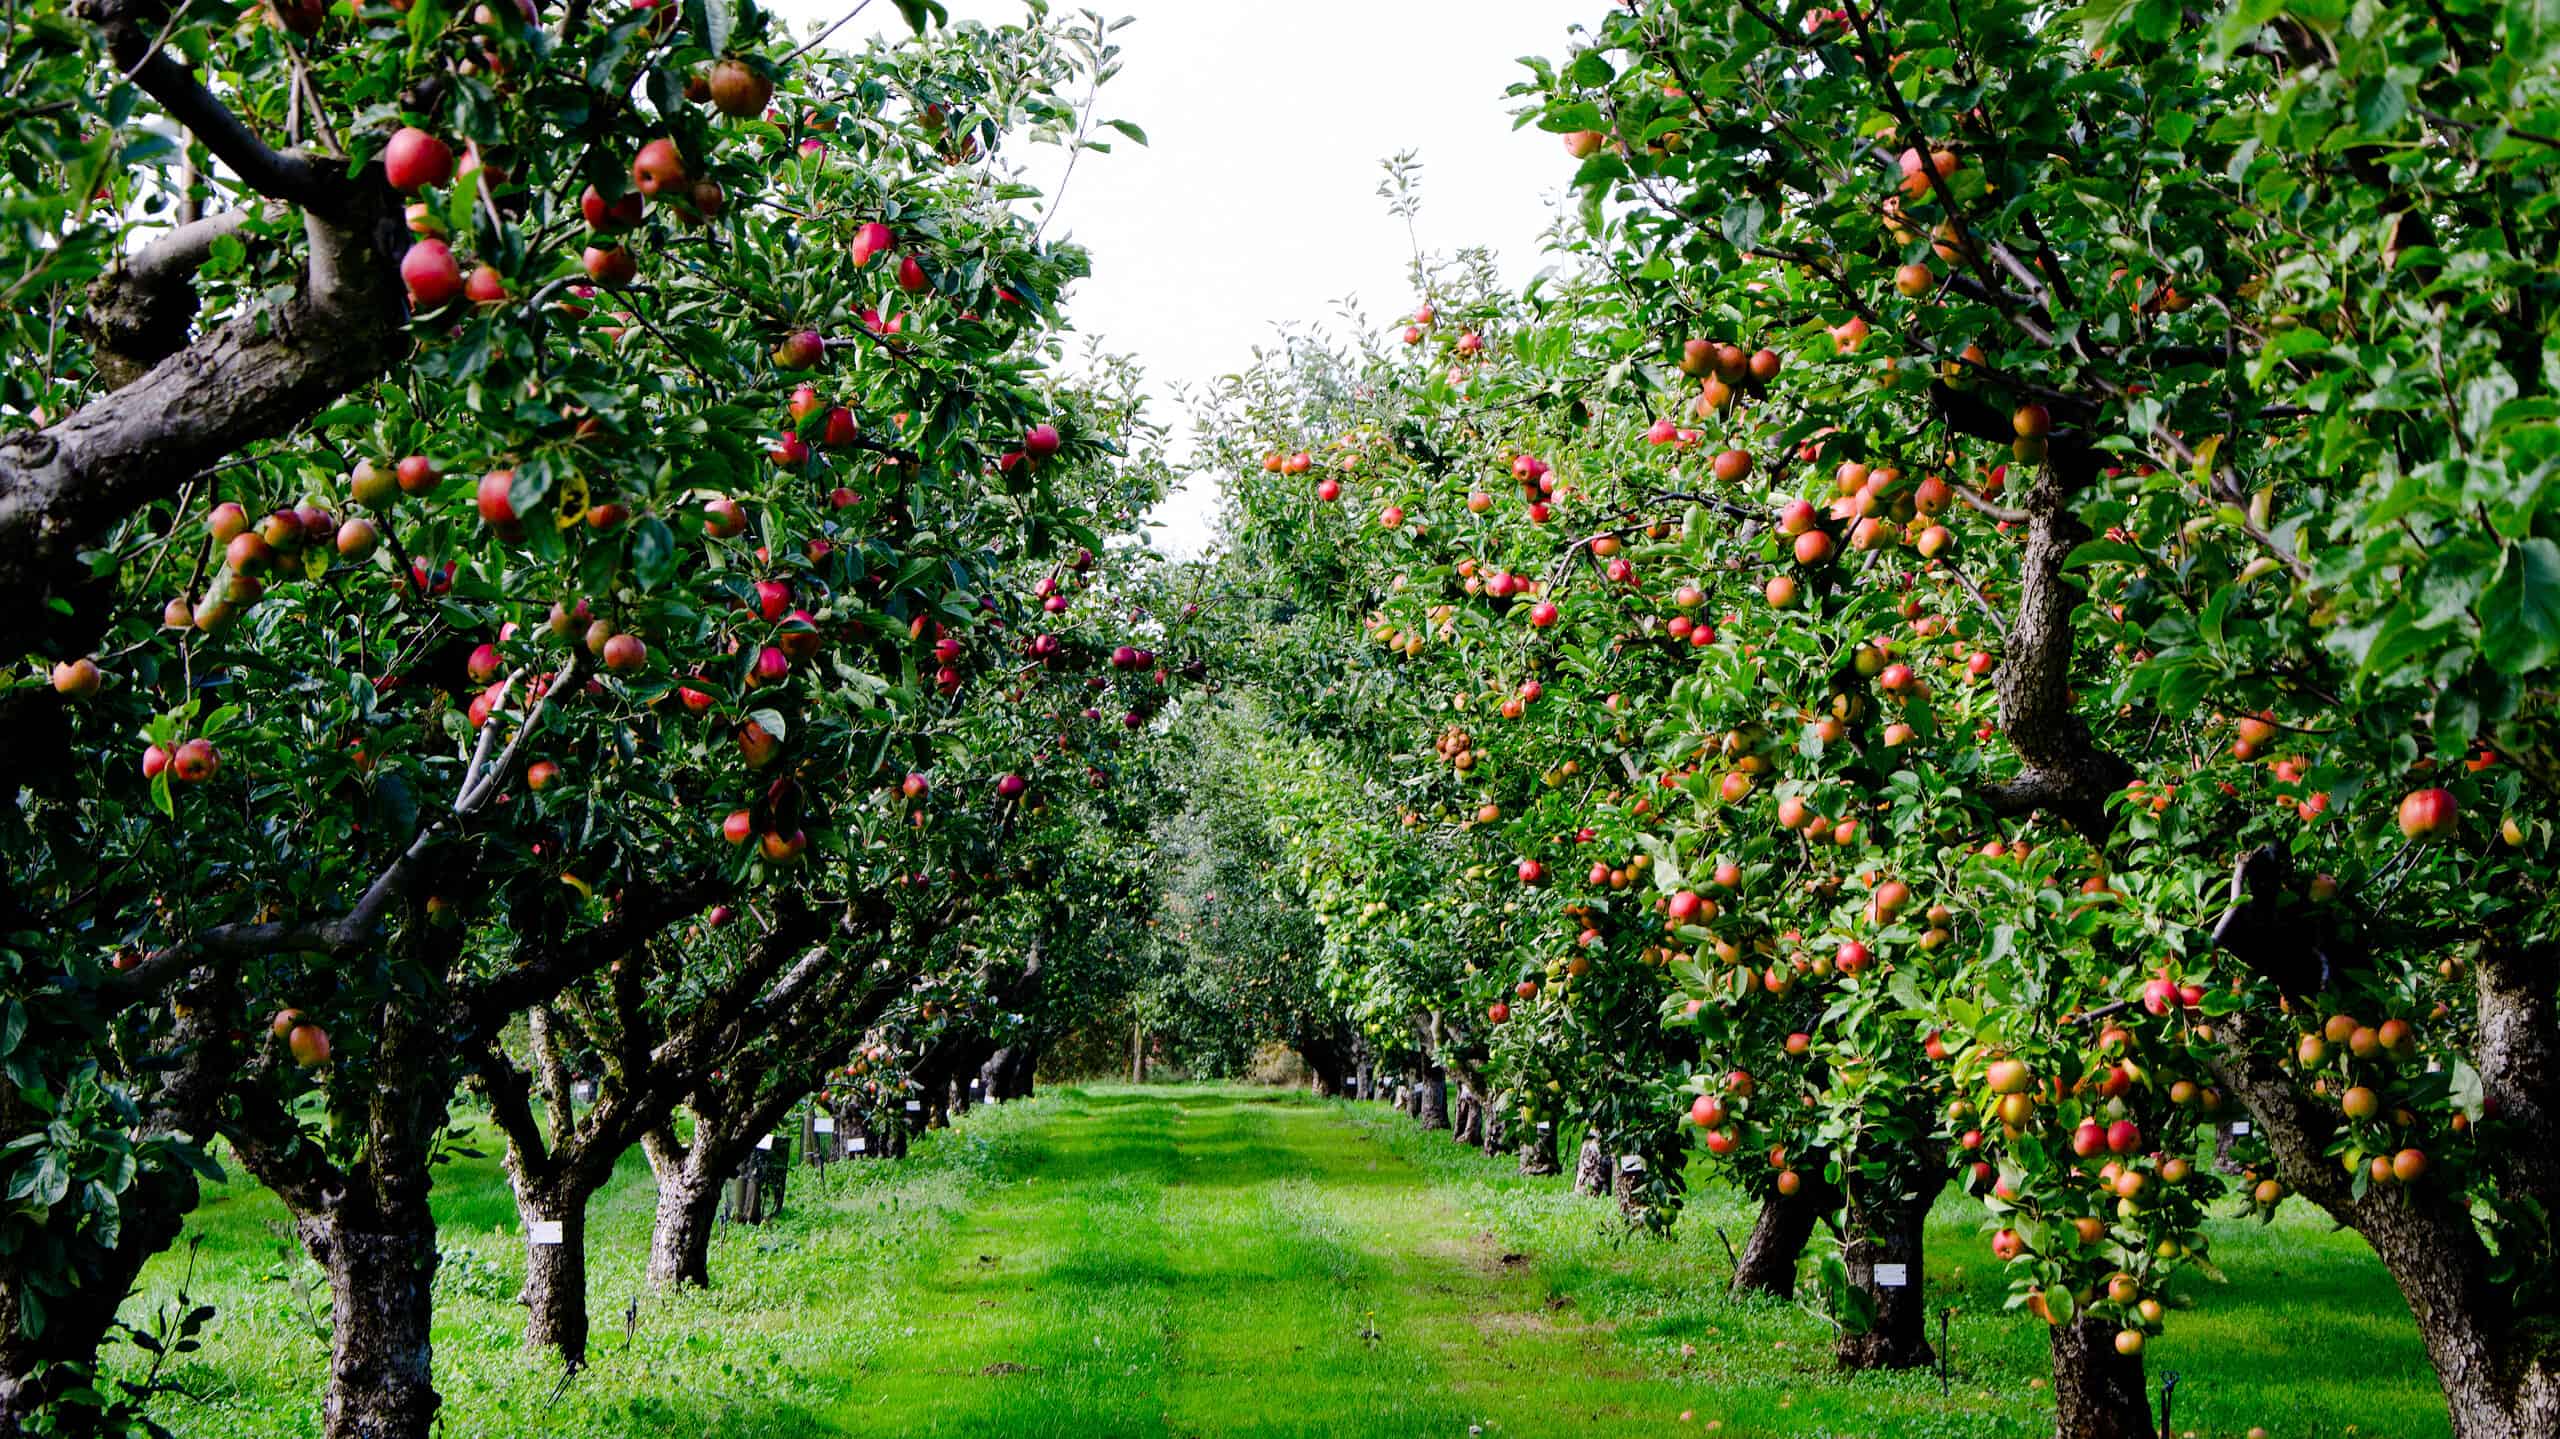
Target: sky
x,y
1255,201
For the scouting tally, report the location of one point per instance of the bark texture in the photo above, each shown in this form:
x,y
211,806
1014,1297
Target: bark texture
x,y
2097,1393
382,1311
1538,1151
555,1276
1885,1229
1431,1100
1769,1259
1591,1169
688,1204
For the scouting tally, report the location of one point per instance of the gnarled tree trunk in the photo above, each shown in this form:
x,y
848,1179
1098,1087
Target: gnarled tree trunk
x,y
1431,1100
688,1204
1591,1170
1768,1262
382,1313
2097,1393
1883,1259
1538,1151
2499,1368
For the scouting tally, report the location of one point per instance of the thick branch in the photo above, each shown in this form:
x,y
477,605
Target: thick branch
x,y
644,912
140,311
253,378
137,52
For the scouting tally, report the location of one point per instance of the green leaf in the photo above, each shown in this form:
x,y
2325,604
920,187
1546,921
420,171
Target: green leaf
x,y
427,20
2092,552
719,18
1591,68
1128,129
773,722
653,552
2520,616
919,11
2058,1299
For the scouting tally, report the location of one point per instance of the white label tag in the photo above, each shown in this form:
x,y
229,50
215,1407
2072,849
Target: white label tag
x,y
1544,1126
2239,1128
860,1144
826,1124
914,1104
543,1231
1893,1276
765,1143
1630,1163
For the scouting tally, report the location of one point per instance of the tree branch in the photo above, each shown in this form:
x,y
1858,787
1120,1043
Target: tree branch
x,y
283,175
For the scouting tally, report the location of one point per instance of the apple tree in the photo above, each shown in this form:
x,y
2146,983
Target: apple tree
x,y
440,629
2169,391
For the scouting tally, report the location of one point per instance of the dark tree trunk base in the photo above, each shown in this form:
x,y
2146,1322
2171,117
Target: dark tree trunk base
x,y
1466,1120
2097,1393
1431,1104
1768,1262
555,1277
382,1307
1538,1151
680,1241
1887,1231
1591,1169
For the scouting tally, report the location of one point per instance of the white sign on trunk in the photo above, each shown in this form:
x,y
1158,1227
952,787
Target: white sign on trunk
x,y
765,1143
826,1124
860,1144
914,1104
2239,1128
543,1231
1893,1276
1630,1163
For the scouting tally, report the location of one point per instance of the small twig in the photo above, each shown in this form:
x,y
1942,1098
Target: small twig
x,y
814,40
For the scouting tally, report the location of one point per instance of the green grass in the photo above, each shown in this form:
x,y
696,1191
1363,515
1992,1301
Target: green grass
x,y
1235,1262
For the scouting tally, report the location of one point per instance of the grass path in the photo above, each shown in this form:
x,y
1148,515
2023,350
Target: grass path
x,y
1187,1264
1233,1263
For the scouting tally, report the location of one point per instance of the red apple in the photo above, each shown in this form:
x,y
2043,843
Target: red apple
x,y
431,273
2426,813
415,159
194,761
659,166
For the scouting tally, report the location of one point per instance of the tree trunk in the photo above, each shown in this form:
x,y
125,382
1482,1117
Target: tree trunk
x,y
1431,1107
382,1312
1626,1180
688,1202
2500,1375
1538,1151
1466,1119
2499,1365
555,1270
1138,1051
2097,1393
1365,1080
1591,1171
1883,1258
1492,1129
1767,1265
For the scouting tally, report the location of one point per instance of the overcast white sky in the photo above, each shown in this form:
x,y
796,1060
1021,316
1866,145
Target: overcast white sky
x,y
1255,201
